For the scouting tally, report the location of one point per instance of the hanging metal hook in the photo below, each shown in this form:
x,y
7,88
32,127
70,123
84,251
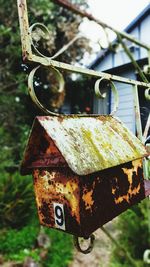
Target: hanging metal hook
x,y
31,90
107,83
78,245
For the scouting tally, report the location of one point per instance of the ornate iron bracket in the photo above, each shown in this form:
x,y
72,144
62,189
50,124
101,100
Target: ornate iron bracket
x,y
32,54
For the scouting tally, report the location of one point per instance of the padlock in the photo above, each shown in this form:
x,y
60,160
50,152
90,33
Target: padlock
x,y
86,170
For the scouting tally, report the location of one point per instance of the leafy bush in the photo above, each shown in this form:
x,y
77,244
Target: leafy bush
x,y
16,200
13,241
134,236
61,252
18,245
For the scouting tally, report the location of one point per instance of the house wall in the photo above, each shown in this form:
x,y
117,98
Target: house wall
x,y
126,102
141,32
107,63
125,110
145,35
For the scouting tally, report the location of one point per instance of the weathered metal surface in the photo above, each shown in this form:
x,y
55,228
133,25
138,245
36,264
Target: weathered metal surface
x,y
61,65
41,151
24,29
59,186
86,144
87,202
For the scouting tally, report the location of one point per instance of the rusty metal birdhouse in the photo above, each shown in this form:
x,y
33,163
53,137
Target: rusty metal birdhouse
x,y
87,170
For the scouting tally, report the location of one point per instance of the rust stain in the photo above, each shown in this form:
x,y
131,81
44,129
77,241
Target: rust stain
x,y
68,191
88,203
127,197
131,191
88,200
49,188
113,190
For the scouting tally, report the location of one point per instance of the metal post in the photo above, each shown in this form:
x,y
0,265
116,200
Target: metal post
x,y
137,113
24,29
135,64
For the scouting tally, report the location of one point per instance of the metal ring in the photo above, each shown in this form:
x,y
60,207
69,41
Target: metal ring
x,y
90,247
32,92
147,93
114,90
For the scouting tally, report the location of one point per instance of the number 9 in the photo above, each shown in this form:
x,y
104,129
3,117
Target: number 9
x,y
59,216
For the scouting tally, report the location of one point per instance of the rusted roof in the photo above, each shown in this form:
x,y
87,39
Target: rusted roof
x,y
87,144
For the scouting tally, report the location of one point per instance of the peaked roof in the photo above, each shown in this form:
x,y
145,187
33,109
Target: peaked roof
x,y
145,12
85,144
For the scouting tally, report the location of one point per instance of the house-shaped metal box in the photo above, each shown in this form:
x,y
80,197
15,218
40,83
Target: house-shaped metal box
x,y
87,170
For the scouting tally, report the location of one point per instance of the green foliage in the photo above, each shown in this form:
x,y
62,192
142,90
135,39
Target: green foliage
x,y
17,245
134,236
14,241
61,252
125,263
16,200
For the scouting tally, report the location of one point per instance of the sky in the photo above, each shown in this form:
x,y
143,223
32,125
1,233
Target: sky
x,y
116,13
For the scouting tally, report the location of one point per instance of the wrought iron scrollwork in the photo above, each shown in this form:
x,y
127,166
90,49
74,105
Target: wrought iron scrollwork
x,y
46,31
100,84
32,54
31,90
